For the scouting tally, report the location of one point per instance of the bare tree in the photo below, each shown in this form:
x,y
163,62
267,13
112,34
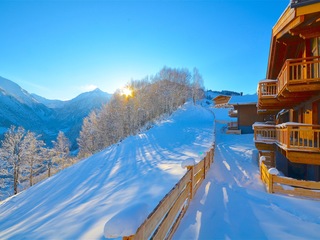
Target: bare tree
x,y
32,153
11,151
61,149
197,86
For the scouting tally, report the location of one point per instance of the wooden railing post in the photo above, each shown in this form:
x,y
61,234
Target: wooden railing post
x,y
191,169
288,136
204,165
270,183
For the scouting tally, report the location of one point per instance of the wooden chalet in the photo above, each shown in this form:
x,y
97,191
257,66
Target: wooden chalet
x,y
244,112
221,100
291,92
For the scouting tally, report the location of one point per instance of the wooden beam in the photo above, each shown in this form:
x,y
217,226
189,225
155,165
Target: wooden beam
x,y
285,19
307,32
292,24
312,8
304,157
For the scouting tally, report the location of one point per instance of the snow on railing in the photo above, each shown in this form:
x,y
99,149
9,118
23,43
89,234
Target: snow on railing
x,y
165,218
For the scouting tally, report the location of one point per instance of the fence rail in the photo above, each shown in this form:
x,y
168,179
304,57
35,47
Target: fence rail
x,y
290,186
165,218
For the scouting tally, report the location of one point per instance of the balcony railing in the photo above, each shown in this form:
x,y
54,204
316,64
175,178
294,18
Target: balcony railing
x,y
299,136
294,73
291,136
268,88
299,71
232,125
264,132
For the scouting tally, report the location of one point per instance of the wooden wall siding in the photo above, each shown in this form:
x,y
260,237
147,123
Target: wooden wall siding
x,y
165,218
290,186
247,114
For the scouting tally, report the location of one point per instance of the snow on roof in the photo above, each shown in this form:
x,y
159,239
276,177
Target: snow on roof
x,y
243,100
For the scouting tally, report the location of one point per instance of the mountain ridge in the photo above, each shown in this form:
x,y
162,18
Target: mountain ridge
x,y
43,116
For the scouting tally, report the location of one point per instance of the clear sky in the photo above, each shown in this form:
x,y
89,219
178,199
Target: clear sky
x,y
59,49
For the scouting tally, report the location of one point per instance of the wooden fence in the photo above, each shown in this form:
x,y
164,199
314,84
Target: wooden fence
x,y
165,218
290,186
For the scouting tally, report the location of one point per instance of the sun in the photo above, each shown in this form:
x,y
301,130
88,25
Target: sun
x,y
126,91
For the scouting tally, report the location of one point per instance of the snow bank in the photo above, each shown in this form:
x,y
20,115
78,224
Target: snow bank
x,y
127,221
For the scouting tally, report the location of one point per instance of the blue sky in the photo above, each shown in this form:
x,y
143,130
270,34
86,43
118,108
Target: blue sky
x,y
59,49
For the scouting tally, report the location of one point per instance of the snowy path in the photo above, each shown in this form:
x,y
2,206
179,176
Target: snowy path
x,y
78,201
232,202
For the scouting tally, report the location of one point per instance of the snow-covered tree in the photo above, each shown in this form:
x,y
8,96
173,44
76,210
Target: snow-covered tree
x,y
32,153
88,139
197,86
124,115
12,152
61,150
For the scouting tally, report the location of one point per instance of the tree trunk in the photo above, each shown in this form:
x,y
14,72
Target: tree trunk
x,y
15,180
31,177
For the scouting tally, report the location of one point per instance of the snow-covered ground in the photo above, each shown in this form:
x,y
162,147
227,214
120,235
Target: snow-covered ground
x,y
77,202
231,203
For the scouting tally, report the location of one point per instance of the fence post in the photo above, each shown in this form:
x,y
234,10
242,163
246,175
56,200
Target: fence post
x,y
204,166
191,168
270,183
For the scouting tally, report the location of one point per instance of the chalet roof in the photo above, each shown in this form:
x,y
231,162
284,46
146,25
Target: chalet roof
x,y
244,100
222,96
299,3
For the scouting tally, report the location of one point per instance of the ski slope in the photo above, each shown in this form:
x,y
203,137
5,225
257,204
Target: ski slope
x,y
77,202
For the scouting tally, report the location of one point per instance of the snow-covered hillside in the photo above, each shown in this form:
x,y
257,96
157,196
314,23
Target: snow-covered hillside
x,y
77,202
230,204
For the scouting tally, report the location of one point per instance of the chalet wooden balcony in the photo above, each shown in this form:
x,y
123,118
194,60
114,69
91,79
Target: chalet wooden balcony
x,y
293,136
298,80
299,142
232,125
299,75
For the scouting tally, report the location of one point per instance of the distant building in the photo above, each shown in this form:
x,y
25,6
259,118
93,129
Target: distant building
x,y
245,113
221,100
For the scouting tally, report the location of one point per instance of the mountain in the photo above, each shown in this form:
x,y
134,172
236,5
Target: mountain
x,y
44,116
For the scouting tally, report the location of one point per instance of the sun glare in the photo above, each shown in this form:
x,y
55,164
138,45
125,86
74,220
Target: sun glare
x,y
126,91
